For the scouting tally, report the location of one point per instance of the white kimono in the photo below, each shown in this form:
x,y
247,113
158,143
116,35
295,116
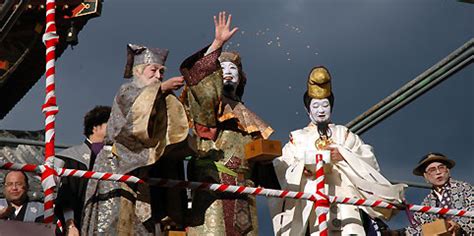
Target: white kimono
x,y
357,176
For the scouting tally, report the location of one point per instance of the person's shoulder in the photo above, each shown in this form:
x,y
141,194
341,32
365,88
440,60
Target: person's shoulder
x,y
74,153
339,126
128,92
126,87
462,184
343,130
300,135
340,129
35,206
300,132
74,150
427,199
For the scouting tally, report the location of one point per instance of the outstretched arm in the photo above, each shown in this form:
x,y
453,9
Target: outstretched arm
x,y
202,75
223,31
171,84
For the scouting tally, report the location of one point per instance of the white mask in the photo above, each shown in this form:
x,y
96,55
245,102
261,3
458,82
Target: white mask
x,y
319,110
230,72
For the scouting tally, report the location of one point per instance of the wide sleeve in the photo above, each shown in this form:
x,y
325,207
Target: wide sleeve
x,y
361,150
288,168
144,121
466,223
118,113
203,91
363,172
148,115
139,117
289,172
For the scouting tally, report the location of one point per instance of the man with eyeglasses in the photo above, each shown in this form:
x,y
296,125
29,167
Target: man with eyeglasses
x,y
446,192
16,205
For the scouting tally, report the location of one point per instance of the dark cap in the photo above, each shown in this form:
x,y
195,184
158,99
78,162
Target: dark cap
x,y
430,158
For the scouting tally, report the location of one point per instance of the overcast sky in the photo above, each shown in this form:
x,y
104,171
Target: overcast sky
x,y
370,47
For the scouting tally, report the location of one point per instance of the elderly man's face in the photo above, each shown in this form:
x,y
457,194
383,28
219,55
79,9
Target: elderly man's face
x,y
15,188
152,73
437,173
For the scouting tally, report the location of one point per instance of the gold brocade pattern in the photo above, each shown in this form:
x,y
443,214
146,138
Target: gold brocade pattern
x,y
143,206
213,223
177,125
143,122
231,126
142,110
232,143
247,120
110,208
201,100
103,214
151,112
125,226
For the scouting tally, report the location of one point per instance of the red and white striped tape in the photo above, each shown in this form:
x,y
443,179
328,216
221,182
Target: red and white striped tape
x,y
302,196
240,190
59,225
50,109
21,167
100,176
322,206
363,202
63,172
440,211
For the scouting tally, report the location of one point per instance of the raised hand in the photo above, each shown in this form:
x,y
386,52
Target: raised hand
x,y
223,30
222,27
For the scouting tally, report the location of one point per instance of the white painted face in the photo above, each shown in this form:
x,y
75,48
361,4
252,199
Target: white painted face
x,y
320,110
230,73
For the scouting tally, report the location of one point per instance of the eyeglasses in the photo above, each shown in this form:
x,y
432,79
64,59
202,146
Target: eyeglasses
x,y
440,168
10,184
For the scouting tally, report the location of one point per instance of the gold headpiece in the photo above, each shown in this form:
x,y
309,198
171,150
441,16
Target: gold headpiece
x,y
319,83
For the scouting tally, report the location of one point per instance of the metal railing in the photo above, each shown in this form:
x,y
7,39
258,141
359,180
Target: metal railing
x,y
454,62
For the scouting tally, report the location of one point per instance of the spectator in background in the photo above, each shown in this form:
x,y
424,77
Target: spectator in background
x,y
446,192
16,205
72,191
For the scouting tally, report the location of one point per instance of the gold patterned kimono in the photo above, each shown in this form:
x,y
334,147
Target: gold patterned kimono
x,y
139,134
222,127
